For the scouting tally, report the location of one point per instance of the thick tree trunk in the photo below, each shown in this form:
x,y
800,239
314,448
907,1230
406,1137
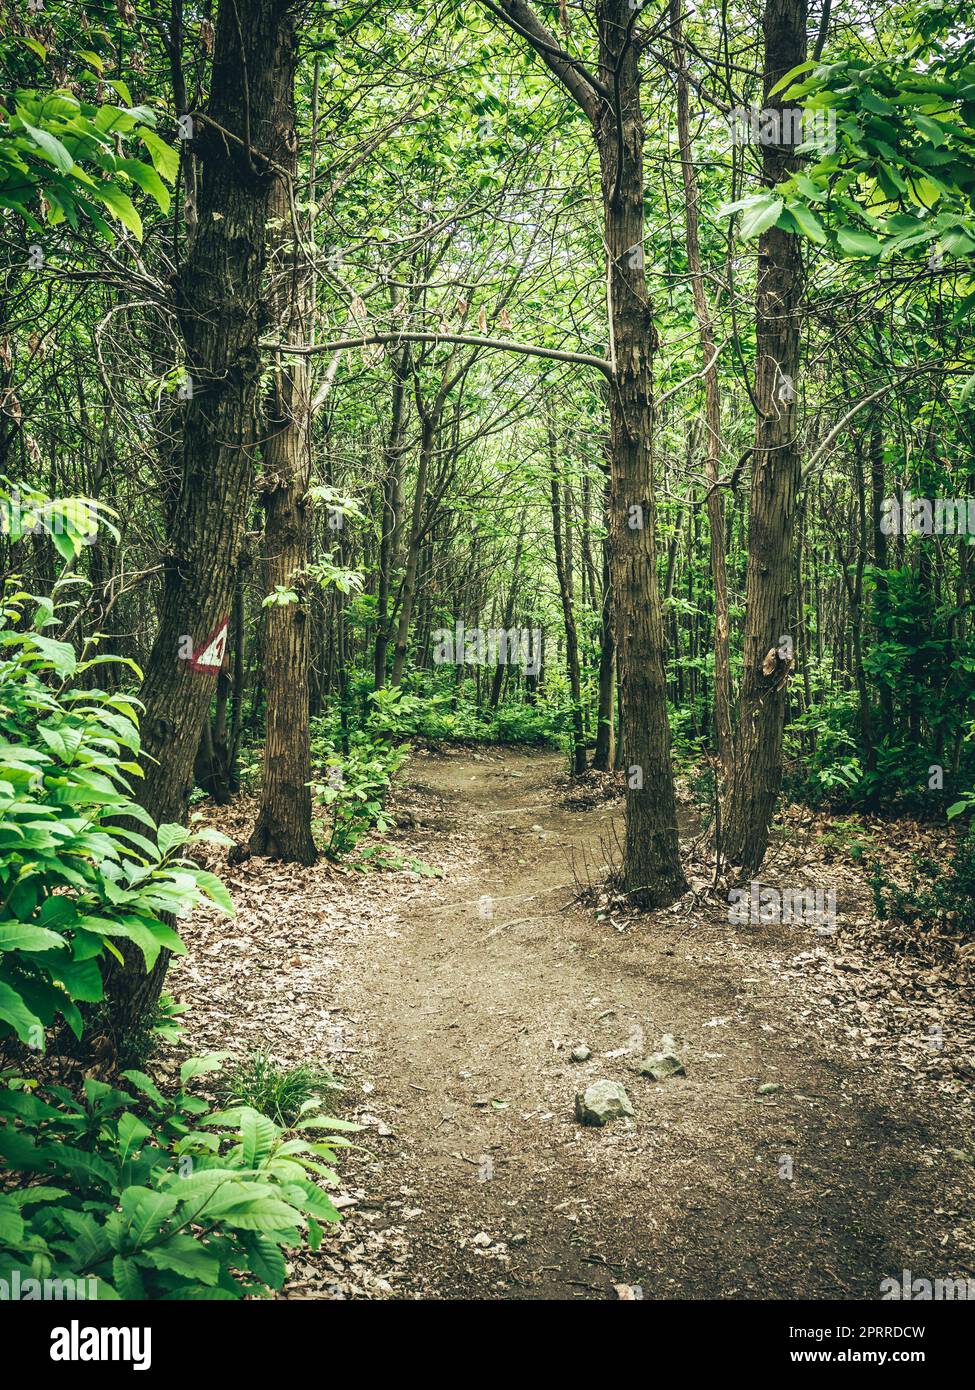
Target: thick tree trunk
x,y
283,828
652,872
768,659
221,316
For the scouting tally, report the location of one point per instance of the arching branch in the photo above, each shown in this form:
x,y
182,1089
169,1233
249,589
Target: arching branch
x,y
579,359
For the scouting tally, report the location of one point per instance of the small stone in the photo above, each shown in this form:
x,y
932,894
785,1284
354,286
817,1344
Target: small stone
x,y
602,1101
629,1293
661,1065
519,1238
580,1053
769,1088
483,1240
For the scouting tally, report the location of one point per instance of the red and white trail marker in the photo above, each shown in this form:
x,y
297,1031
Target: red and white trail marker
x,y
208,657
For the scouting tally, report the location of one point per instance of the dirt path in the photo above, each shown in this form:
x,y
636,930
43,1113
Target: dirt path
x,y
452,1006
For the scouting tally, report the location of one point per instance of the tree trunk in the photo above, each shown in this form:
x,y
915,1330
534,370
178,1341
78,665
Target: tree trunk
x,y
509,613
605,752
283,827
392,486
768,659
408,597
220,311
568,614
712,406
652,872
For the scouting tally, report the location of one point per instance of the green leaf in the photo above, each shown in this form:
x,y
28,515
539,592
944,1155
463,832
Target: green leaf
x,y
22,936
132,1134
808,223
121,207
198,1066
49,144
214,889
265,1258
146,1211
171,837
183,1255
164,157
12,1224
264,1214
258,1134
148,180
763,212
857,243
14,1011
128,1278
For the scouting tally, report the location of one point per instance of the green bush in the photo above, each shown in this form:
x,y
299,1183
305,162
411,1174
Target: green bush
x,y
279,1092
935,896
158,1197
144,1195
353,788
75,877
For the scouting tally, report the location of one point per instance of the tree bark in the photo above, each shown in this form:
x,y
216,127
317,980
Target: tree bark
x,y
283,827
604,755
652,873
218,300
768,661
564,575
391,486
712,405
509,613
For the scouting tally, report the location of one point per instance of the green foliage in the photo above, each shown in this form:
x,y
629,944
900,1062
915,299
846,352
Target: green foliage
x,y
935,897
902,174
278,1092
159,1197
149,1196
846,838
62,159
924,667
352,788
76,877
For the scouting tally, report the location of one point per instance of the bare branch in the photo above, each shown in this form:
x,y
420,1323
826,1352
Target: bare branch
x,y
580,359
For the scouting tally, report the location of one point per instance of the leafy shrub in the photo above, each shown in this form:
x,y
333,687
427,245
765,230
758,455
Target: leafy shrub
x,y
73,879
935,896
279,1092
148,1196
846,837
353,789
158,1197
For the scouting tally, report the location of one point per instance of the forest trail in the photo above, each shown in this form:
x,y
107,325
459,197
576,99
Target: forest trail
x,y
454,1028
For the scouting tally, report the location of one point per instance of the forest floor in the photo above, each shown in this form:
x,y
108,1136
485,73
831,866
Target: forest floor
x,y
450,1005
